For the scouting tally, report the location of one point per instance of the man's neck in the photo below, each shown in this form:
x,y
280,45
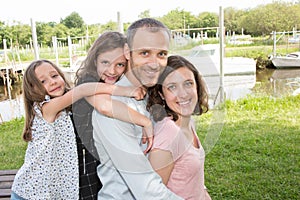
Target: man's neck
x,y
132,78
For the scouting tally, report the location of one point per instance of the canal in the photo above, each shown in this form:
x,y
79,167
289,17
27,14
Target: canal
x,y
272,82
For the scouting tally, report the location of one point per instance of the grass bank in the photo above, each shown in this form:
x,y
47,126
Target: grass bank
x,y
255,156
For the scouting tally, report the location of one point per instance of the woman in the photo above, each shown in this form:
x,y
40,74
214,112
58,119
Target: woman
x,y
177,154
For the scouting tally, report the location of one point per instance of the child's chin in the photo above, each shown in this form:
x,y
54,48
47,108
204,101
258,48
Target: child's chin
x,y
110,81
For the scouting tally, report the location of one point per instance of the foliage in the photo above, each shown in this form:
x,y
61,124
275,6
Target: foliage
x,y
73,21
144,14
278,16
258,21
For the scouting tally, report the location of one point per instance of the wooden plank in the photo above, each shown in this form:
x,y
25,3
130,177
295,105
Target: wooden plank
x,y
7,178
8,172
5,192
5,185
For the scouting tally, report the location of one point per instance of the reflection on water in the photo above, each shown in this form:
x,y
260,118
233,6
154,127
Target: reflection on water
x,y
272,82
277,83
11,102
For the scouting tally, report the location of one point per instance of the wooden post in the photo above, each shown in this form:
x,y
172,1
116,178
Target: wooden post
x,y
54,42
70,50
5,50
34,38
120,23
221,39
274,43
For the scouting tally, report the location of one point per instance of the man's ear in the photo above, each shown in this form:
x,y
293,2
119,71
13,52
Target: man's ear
x,y
126,51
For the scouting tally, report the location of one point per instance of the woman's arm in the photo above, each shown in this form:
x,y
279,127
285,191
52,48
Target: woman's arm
x,y
162,162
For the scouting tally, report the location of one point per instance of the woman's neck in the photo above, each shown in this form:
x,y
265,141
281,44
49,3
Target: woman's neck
x,y
183,122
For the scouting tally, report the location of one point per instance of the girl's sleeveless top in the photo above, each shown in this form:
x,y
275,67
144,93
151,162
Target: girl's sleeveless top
x,y
50,169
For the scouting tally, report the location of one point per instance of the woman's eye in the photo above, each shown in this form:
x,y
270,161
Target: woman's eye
x,y
171,87
189,83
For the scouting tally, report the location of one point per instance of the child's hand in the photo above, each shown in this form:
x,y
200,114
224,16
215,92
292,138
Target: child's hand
x,y
139,93
148,137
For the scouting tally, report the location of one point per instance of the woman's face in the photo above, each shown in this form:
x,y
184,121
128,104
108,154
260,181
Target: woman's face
x,y
111,65
180,91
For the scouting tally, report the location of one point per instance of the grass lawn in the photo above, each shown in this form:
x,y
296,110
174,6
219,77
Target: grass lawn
x,y
257,154
252,146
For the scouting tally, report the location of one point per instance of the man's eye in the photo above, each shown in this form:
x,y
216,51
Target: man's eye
x,y
163,54
144,53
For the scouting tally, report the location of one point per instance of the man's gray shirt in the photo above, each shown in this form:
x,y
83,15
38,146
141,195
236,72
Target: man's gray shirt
x,y
125,171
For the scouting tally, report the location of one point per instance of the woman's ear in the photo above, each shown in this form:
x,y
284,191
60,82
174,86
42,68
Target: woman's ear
x,y
126,51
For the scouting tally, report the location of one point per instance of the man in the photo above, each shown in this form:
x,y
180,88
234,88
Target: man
x,y
125,171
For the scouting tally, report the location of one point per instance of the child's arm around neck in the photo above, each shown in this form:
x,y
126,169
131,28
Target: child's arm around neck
x,y
57,104
107,106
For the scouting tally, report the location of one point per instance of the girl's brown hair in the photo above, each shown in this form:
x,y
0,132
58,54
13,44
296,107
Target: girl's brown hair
x,y
106,42
156,105
34,91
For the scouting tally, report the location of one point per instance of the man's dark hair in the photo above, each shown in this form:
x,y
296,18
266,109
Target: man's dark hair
x,y
150,24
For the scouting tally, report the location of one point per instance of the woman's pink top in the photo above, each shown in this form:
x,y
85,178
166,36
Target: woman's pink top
x,y
187,177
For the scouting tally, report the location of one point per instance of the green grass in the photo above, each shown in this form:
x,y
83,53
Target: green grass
x,y
12,147
255,156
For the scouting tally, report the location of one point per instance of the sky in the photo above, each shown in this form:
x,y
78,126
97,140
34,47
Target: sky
x,y
100,11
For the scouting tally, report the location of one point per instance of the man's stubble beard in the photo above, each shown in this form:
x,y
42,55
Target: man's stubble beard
x,y
141,76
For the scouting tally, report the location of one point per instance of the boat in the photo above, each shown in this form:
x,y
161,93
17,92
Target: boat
x,y
290,60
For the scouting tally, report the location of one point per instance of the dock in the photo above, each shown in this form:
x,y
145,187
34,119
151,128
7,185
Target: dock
x,y
10,74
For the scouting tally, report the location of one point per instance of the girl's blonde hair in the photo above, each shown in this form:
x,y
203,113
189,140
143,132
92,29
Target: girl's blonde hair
x,y
34,91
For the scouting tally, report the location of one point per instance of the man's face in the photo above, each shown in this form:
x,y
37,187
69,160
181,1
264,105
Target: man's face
x,y
149,55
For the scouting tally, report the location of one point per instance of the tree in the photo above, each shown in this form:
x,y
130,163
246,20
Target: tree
x,y
73,21
144,14
232,17
277,16
208,20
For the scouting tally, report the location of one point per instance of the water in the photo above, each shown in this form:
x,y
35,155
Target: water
x,y
273,82
11,102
